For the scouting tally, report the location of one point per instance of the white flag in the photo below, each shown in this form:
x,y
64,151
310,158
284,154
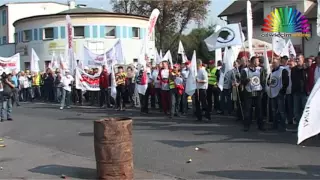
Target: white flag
x,y
160,54
229,35
217,52
113,84
191,84
168,57
230,55
250,27
266,64
180,48
34,65
278,44
309,124
291,49
182,52
318,19
158,58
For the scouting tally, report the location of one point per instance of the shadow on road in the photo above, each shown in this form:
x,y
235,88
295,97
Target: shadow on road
x,y
306,172
68,171
220,126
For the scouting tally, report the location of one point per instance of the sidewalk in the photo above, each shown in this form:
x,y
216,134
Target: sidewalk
x,y
19,160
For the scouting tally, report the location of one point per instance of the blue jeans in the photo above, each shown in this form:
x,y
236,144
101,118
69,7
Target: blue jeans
x,y
225,101
278,111
58,94
66,98
175,101
6,107
299,101
184,100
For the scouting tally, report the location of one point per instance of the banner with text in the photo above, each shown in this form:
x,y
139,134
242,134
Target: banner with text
x,y
87,82
93,59
10,63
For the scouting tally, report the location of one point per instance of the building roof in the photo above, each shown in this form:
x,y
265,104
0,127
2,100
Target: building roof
x,y
32,2
83,11
311,12
240,7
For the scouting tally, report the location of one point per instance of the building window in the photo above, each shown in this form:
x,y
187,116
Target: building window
x,y
4,40
4,17
48,33
27,35
26,65
46,64
96,47
135,32
78,31
285,6
16,37
110,31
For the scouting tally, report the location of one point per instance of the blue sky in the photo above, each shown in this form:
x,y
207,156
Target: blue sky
x,y
215,8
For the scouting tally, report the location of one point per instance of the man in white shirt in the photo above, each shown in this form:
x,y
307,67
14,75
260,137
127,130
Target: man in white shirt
x,y
201,93
66,80
184,99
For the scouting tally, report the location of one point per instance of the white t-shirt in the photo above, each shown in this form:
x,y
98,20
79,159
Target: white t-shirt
x,y
24,83
66,81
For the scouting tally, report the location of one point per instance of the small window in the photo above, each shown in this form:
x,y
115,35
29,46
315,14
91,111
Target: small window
x,y
285,6
135,32
27,35
4,40
46,64
4,17
26,65
16,37
48,33
78,31
110,31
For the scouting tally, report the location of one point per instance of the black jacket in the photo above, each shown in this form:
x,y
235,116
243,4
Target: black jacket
x,y
299,76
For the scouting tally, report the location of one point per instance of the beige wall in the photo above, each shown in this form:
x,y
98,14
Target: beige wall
x,y
131,47
30,9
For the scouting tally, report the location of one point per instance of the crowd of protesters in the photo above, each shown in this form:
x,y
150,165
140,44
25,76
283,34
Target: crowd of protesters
x,y
248,85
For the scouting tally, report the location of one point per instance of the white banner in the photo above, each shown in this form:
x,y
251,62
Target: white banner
x,y
10,63
93,59
309,124
87,82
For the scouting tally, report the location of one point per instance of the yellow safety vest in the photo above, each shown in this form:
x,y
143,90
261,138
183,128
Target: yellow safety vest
x,y
171,82
212,76
36,80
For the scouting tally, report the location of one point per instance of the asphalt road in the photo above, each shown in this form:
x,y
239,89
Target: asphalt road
x,y
164,146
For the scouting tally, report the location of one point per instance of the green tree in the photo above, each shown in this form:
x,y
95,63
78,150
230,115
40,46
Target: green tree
x,y
195,41
174,16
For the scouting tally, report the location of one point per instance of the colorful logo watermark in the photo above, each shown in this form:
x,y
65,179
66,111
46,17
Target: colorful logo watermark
x,y
286,22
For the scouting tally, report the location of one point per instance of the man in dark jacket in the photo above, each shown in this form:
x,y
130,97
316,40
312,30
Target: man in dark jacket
x,y
299,76
104,84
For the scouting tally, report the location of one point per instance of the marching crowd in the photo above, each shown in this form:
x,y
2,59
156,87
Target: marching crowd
x,y
279,97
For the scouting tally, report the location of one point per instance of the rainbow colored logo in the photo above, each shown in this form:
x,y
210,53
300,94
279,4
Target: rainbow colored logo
x,y
286,20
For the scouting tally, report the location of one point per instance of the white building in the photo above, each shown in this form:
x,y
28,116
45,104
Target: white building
x,y
11,12
96,29
236,13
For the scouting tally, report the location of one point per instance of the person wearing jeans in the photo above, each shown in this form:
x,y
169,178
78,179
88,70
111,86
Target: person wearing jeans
x,y
299,76
8,87
277,84
184,98
66,92
225,96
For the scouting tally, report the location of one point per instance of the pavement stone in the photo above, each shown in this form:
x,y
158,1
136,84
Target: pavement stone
x,y
20,160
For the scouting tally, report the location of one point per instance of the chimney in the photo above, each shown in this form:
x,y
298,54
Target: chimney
x,y
72,4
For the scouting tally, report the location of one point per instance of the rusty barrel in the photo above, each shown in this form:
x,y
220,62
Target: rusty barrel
x,y
113,148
